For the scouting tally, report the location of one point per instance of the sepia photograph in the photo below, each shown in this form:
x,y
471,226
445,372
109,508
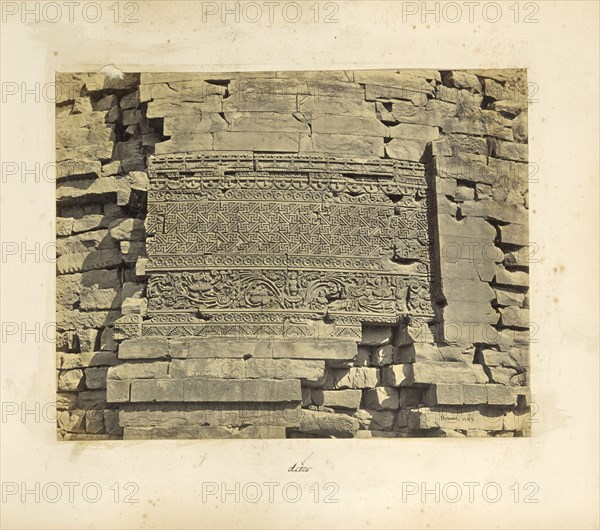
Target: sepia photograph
x,y
330,254
299,264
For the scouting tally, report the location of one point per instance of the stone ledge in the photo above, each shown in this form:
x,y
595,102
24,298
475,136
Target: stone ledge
x,y
205,390
425,373
241,390
213,414
203,432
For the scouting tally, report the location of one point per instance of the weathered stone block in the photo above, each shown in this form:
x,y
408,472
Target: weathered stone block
x,y
474,394
422,373
64,226
363,356
492,89
349,399
329,124
419,133
207,368
94,421
382,398
246,390
347,144
501,395
92,399
517,420
202,348
149,390
509,298
117,391
111,422
514,234
459,311
71,361
266,122
514,317
375,420
310,105
71,420
511,278
455,418
402,149
328,424
70,380
66,400
409,397
382,355
396,375
356,377
134,306
247,141
127,229
476,269
520,127
95,377
94,299
214,414
464,193
374,434
144,349
314,350
139,370
443,394
467,291
377,335
203,433
285,369
488,208
468,168
417,352
465,80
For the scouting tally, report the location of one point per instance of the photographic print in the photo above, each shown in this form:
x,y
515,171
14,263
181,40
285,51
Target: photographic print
x,y
293,254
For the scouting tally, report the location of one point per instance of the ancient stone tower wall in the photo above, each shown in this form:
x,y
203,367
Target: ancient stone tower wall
x,y
454,364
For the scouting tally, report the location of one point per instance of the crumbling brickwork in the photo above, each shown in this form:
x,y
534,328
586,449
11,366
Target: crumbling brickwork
x,y
454,364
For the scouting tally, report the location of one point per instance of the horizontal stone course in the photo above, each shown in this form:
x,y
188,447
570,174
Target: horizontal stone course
x,y
264,390
214,414
424,373
284,369
349,399
204,432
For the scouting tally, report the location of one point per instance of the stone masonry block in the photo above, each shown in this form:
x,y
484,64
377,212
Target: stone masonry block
x,y
474,394
149,390
144,349
207,368
140,370
444,394
285,369
202,348
501,395
245,390
314,350
382,398
117,391
356,377
349,399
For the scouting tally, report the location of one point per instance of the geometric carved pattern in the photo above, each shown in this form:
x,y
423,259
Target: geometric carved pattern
x,y
273,244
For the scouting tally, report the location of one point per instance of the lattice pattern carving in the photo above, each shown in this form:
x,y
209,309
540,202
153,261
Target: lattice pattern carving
x,y
272,244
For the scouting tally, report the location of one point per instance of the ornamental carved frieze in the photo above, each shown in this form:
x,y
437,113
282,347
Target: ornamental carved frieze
x,y
284,245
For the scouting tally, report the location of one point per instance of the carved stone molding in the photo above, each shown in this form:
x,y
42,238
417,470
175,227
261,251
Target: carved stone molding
x,y
284,245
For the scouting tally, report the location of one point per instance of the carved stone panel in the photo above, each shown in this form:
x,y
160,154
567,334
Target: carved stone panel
x,y
284,246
